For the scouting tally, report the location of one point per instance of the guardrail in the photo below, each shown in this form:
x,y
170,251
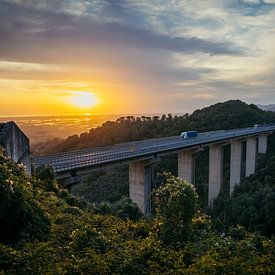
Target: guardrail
x,y
81,159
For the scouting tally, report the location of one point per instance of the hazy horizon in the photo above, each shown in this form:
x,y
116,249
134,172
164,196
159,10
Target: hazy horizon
x,y
43,128
85,115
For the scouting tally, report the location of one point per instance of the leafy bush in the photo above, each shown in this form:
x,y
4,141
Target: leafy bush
x,y
175,206
47,177
124,208
21,217
73,200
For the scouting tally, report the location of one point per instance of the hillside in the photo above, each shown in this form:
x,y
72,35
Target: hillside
x,y
228,115
45,230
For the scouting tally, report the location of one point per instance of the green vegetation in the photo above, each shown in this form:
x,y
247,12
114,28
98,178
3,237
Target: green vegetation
x,y
252,203
175,206
110,185
81,240
21,217
253,200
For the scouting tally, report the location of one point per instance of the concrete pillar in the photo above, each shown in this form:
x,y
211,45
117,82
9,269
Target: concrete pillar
x,y
140,179
149,178
235,163
186,165
251,145
215,172
262,144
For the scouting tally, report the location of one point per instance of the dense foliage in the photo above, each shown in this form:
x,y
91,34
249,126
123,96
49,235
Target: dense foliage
x,y
124,208
83,241
252,203
110,185
175,194
21,217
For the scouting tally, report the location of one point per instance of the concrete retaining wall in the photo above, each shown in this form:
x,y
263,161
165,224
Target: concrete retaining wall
x,y
16,144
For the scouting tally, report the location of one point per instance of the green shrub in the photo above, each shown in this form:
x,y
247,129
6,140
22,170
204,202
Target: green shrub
x,y
124,208
21,217
47,177
175,205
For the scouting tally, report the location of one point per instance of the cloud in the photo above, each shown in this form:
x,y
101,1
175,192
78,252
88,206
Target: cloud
x,y
205,96
253,1
30,67
43,27
202,50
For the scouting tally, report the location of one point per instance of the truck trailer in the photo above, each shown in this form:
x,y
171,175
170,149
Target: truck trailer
x,y
189,134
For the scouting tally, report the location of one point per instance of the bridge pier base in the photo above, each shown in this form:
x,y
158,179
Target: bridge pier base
x,y
215,172
262,144
251,146
141,175
235,163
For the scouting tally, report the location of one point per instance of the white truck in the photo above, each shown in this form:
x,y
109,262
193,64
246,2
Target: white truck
x,y
189,134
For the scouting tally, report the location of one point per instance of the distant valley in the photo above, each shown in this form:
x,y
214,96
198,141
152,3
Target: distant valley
x,y
268,107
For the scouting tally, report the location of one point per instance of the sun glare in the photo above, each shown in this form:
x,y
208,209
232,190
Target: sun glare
x,y
83,99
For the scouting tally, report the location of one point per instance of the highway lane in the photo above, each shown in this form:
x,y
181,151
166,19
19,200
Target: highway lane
x,y
114,149
125,151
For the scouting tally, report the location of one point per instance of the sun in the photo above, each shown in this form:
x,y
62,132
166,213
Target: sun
x,y
83,99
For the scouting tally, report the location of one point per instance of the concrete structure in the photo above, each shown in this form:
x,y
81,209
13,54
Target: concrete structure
x,y
16,144
70,167
186,165
235,163
262,144
215,172
251,151
141,176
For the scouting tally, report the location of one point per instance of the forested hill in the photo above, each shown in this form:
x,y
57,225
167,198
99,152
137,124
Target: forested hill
x,y
228,115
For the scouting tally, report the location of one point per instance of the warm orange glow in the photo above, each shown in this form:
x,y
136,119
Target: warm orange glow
x,y
83,99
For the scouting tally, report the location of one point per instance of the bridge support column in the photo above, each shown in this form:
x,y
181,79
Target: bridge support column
x,y
262,144
215,172
141,174
186,165
235,163
251,146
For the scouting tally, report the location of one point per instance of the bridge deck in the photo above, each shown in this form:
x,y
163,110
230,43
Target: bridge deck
x,y
82,159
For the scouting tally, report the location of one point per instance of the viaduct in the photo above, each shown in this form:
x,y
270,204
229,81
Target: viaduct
x,y
141,156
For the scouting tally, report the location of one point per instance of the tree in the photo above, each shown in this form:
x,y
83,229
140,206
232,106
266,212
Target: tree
x,y
47,177
175,206
21,217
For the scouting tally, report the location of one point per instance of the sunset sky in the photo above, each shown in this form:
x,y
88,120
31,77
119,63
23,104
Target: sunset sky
x,y
134,56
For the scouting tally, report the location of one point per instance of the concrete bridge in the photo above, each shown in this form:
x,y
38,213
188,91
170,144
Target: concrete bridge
x,y
141,156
